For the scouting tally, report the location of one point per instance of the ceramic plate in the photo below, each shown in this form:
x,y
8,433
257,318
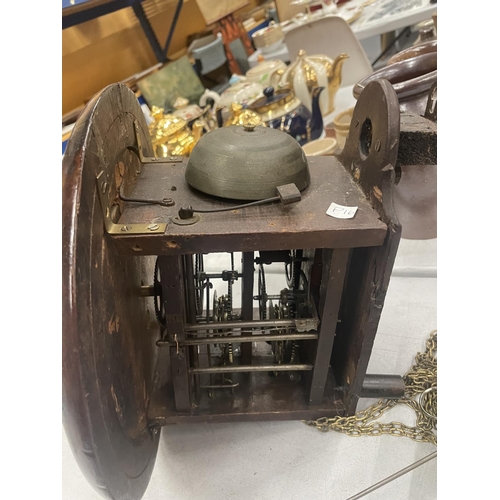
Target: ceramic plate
x,y
350,14
189,113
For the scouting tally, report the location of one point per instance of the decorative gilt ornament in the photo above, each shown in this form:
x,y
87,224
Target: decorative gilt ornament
x,y
170,134
241,116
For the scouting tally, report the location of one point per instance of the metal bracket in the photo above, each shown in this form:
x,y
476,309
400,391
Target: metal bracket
x,y
113,228
149,160
308,324
103,185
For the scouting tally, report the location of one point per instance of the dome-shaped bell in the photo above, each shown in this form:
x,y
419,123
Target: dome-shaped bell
x,y
246,162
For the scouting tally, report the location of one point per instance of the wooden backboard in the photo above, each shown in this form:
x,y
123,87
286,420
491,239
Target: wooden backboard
x,y
213,10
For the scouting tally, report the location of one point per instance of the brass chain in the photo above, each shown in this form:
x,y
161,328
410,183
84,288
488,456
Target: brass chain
x,y
420,395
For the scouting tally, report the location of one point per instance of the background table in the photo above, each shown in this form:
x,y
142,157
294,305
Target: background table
x,y
382,16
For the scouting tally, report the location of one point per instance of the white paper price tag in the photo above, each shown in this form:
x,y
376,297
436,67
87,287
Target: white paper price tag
x,y
341,212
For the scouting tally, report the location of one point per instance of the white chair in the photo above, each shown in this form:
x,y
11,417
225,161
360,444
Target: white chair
x,y
211,63
330,35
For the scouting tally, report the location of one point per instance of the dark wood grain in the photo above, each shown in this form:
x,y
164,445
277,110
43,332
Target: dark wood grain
x,y
259,397
268,227
417,141
369,268
247,286
108,350
415,195
174,295
332,284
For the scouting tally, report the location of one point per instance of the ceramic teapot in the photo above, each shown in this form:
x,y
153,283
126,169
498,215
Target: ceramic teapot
x,y
308,72
186,111
282,110
194,115
242,92
267,73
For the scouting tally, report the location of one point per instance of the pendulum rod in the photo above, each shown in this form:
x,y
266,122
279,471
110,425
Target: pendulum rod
x,y
253,368
241,338
400,473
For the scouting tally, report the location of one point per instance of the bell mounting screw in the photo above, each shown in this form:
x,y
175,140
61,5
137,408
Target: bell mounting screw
x,y
186,212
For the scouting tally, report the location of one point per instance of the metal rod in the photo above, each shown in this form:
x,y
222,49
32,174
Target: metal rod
x,y
414,272
262,368
207,312
246,332
229,325
148,31
217,275
394,476
220,386
230,340
171,31
383,386
269,297
165,202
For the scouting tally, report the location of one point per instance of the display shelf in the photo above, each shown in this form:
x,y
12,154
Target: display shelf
x,y
85,10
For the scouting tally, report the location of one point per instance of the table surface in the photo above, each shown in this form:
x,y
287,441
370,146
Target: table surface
x,y
388,15
382,16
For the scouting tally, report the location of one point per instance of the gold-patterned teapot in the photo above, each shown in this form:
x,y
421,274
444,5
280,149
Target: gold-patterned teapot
x,y
309,72
170,134
239,116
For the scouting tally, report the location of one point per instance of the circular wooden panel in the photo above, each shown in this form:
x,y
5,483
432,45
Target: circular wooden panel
x,y
109,352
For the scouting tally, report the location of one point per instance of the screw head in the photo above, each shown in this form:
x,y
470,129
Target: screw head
x,y
125,228
153,227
